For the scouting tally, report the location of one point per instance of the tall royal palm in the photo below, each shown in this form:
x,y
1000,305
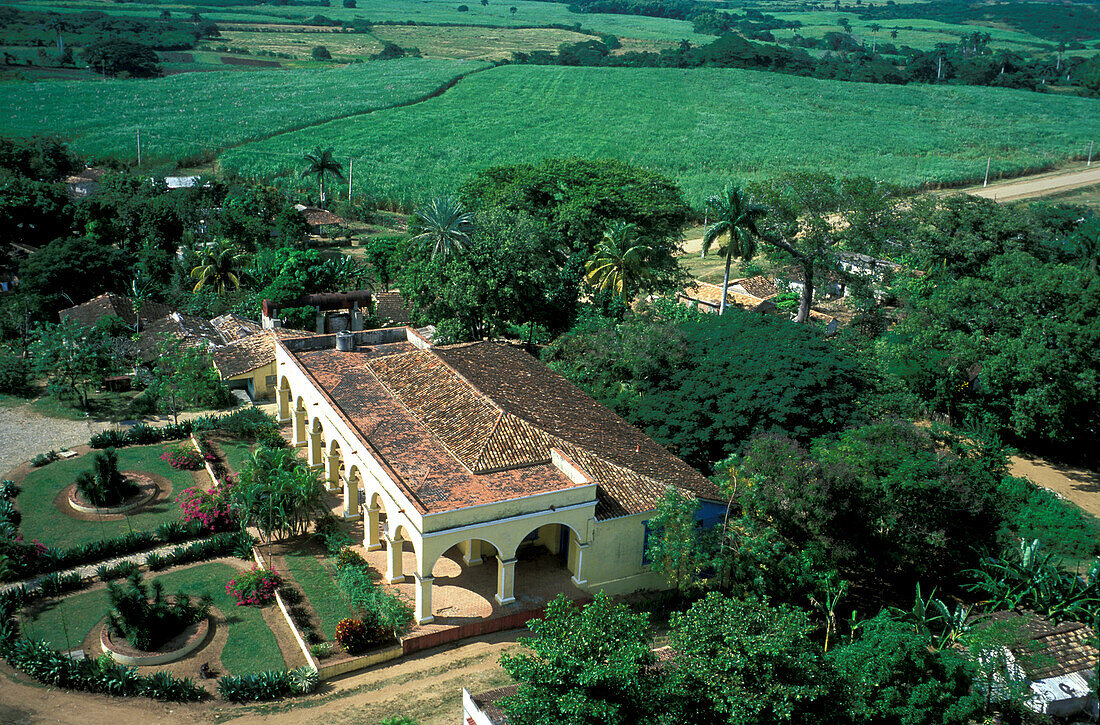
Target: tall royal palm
x,y
322,164
444,225
619,263
736,217
217,269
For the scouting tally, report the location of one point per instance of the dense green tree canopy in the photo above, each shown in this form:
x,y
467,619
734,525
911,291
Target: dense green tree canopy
x,y
587,666
893,677
500,278
743,662
704,386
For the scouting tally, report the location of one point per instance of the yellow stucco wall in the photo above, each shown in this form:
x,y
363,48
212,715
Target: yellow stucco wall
x,y
258,378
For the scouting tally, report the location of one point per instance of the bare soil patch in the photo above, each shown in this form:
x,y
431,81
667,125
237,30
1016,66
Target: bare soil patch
x,y
1080,485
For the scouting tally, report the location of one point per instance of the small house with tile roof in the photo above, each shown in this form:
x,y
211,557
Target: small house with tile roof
x,y
707,297
121,306
480,452
1058,661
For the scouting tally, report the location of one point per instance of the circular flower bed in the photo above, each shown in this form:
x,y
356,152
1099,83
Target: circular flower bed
x,y
147,489
256,587
175,649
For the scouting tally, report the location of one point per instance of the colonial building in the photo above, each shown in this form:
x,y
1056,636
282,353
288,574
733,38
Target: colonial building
x,y
479,448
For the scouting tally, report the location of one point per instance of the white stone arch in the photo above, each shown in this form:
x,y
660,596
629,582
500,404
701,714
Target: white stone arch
x,y
560,539
316,443
284,395
300,417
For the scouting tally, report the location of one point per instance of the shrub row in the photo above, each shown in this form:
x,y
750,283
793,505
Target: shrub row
x,y
102,675
169,532
243,423
270,685
238,543
51,667
43,458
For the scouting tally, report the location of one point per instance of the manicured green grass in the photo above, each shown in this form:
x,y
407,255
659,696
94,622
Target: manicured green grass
x,y
315,576
192,116
702,127
250,647
42,521
236,453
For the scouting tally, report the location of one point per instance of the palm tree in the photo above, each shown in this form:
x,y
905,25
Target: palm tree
x,y
216,269
445,226
321,164
58,25
736,217
617,264
875,27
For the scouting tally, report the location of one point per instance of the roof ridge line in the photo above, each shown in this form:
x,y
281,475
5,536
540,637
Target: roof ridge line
x,y
485,444
419,421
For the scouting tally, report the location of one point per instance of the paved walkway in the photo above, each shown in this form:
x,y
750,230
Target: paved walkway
x,y
88,571
24,434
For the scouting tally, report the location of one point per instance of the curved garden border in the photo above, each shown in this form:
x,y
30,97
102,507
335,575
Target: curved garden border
x,y
175,649
155,490
148,489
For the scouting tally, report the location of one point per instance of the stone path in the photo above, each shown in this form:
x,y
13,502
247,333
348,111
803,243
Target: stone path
x,y
88,571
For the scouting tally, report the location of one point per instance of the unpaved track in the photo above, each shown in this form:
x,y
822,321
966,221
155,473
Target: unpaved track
x,y
1028,187
425,686
1079,485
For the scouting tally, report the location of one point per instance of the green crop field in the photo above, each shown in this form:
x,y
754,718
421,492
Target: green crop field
x,y
496,13
192,116
702,127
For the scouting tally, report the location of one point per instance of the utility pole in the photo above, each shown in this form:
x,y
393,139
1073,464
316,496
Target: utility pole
x,y
139,146
351,165
939,68
1090,154
702,247
988,161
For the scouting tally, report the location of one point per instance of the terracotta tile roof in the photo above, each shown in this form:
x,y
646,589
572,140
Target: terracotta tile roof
x,y
90,312
391,309
232,327
429,472
193,331
710,295
489,702
759,286
470,424
1058,649
245,355
317,217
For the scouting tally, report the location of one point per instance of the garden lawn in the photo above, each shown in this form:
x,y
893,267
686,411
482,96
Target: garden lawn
x,y
315,576
237,453
701,127
42,521
250,647
189,117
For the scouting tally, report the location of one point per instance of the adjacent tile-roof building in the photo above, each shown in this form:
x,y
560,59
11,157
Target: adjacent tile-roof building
x,y
233,327
707,297
391,310
192,331
95,309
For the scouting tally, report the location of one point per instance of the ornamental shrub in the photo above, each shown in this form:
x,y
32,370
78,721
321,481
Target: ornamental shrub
x,y
211,509
256,587
270,685
353,635
104,485
44,458
147,623
185,458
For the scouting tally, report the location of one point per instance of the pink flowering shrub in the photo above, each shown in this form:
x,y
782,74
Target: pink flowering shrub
x,y
253,587
185,458
212,508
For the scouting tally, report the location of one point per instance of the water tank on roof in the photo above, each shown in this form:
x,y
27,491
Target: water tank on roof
x,y
345,341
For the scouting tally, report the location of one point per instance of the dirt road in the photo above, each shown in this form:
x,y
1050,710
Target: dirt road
x,y
1079,485
427,687
1028,187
